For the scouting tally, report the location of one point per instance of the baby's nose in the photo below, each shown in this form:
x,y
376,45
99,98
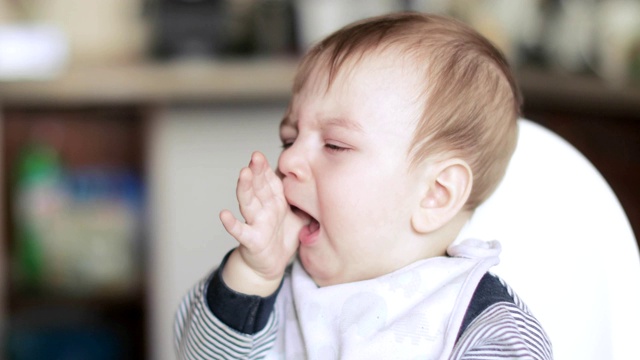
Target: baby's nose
x,y
292,163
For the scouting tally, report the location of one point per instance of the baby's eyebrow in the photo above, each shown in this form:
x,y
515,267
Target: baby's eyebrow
x,y
286,122
343,123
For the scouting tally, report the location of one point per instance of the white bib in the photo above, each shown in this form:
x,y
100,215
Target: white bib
x,y
413,313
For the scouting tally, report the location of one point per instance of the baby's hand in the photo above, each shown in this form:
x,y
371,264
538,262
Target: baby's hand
x,y
268,237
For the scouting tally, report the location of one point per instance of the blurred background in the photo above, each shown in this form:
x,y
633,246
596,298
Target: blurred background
x,y
124,124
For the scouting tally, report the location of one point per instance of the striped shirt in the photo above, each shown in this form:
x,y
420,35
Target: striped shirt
x,y
497,324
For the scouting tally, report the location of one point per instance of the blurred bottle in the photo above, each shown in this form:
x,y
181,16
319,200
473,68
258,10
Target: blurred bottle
x,y
38,197
515,27
274,27
571,34
98,31
188,28
77,232
429,6
97,248
618,40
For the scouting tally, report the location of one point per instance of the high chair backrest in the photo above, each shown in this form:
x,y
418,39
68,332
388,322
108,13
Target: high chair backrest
x,y
568,248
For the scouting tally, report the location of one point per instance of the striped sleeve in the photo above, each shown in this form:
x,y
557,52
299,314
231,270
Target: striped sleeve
x,y
504,330
199,334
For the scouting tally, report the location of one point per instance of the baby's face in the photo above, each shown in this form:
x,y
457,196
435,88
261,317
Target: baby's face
x,y
345,166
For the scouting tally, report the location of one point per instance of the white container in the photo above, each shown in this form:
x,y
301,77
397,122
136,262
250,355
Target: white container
x,y
31,52
318,18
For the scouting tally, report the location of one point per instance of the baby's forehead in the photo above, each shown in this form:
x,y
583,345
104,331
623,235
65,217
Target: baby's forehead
x,y
361,66
391,58
369,89
375,70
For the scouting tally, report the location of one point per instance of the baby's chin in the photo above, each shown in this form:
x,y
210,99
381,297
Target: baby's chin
x,y
324,276
317,270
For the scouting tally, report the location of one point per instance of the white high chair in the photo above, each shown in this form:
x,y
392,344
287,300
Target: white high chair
x,y
567,248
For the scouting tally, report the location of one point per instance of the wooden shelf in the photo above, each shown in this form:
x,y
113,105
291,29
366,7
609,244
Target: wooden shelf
x,y
576,94
265,80
149,83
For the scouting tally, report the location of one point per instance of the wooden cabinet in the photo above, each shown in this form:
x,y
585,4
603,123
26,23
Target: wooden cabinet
x,y
75,243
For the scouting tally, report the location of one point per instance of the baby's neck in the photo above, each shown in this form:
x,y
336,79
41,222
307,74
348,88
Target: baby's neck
x,y
446,235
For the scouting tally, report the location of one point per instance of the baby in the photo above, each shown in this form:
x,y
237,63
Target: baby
x,y
398,128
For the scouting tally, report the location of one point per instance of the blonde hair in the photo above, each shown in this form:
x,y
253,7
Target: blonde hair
x,y
471,100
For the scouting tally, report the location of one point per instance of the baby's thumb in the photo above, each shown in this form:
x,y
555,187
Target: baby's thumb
x,y
293,223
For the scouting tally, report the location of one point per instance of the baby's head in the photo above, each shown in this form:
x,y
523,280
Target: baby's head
x,y
399,126
469,96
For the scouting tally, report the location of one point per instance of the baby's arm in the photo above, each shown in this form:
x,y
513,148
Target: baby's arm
x,y
268,237
213,320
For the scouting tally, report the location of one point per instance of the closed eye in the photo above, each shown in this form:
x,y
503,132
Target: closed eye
x,y
335,148
287,143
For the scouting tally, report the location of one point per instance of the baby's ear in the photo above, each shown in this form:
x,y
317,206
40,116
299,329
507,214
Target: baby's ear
x,y
447,187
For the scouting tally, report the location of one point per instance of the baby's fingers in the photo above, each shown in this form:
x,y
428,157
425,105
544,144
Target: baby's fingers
x,y
275,183
245,193
263,178
234,227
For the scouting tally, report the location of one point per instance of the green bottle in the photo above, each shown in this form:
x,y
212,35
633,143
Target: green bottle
x,y
37,195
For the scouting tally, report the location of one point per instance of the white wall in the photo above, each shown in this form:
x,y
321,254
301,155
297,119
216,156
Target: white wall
x,y
195,155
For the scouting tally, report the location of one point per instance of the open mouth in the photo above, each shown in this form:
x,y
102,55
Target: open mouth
x,y
309,232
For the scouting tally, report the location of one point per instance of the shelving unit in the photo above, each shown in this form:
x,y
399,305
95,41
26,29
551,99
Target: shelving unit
x,y
103,114
78,318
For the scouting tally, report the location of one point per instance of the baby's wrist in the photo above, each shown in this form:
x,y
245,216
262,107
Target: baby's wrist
x,y
240,277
